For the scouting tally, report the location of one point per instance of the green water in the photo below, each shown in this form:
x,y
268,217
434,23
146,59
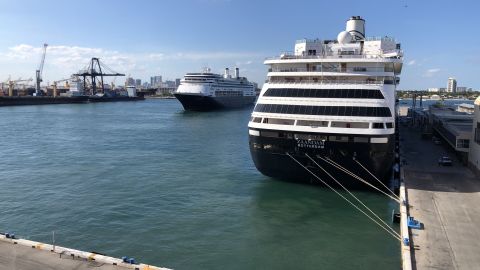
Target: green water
x,y
173,189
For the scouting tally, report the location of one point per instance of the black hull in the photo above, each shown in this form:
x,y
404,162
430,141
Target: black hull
x,y
31,100
206,103
270,157
113,99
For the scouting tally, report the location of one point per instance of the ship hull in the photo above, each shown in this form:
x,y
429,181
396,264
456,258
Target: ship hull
x,y
206,103
269,155
31,100
113,99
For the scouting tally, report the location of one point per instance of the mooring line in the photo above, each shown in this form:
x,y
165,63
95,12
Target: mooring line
x,y
374,176
338,166
351,194
395,235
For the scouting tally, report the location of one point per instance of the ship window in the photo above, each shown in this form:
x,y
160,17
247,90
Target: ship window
x,y
363,111
268,108
290,109
301,92
277,108
257,119
389,125
328,109
377,125
360,139
355,111
309,110
334,110
324,93
269,134
303,109
324,110
312,123
348,111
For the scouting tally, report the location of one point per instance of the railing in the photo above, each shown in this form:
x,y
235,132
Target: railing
x,y
335,69
320,81
332,55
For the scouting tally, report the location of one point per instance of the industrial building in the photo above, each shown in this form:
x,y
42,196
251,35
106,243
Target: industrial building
x,y
459,127
474,152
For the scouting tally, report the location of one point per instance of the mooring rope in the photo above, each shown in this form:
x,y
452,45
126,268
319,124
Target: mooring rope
x,y
374,177
338,166
351,194
395,235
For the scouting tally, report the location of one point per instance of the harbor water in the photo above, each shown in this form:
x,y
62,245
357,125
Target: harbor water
x,y
174,189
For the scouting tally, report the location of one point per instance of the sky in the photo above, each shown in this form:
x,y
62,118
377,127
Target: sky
x,y
144,38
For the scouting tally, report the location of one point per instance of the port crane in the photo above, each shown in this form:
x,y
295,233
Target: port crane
x,y
54,85
39,71
5,82
11,85
95,69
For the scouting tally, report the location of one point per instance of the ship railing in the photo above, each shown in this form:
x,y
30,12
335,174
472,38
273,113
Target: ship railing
x,y
369,82
335,55
329,69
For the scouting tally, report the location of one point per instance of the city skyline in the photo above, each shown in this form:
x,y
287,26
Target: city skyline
x,y
170,38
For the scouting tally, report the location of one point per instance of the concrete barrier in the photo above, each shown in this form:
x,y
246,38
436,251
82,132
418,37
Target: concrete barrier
x,y
89,256
404,231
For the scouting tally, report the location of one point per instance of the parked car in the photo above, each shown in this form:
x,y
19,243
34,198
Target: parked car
x,y
445,161
436,140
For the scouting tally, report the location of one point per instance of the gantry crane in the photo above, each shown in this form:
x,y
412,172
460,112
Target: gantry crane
x,y
39,71
93,71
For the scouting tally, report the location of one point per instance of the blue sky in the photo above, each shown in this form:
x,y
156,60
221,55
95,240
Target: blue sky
x,y
172,37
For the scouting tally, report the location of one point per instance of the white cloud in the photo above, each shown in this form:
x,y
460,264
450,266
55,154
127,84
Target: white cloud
x,y
62,60
412,62
431,72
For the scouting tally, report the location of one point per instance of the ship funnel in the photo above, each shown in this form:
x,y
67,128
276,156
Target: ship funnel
x,y
237,73
356,27
227,73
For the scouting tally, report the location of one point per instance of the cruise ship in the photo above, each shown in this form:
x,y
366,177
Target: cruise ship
x,y
208,91
329,107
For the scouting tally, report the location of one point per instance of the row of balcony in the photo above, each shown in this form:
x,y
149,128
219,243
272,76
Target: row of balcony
x,y
331,69
339,81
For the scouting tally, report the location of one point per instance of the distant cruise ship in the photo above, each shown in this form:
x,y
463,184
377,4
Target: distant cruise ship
x,y
208,91
332,101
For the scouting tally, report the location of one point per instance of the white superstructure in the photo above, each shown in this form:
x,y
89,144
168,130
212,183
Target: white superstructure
x,y
206,90
215,85
343,86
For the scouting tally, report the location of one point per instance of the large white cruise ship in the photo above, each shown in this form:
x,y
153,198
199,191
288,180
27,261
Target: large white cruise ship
x,y
330,102
207,91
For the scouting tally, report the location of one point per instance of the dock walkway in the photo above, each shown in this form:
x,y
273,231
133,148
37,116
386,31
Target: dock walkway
x,y
446,200
22,254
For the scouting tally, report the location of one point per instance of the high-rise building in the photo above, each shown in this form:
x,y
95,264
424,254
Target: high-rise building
x,y
155,81
452,85
461,89
138,82
130,81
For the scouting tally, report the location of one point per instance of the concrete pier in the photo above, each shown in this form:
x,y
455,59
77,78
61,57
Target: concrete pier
x,y
446,200
22,254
